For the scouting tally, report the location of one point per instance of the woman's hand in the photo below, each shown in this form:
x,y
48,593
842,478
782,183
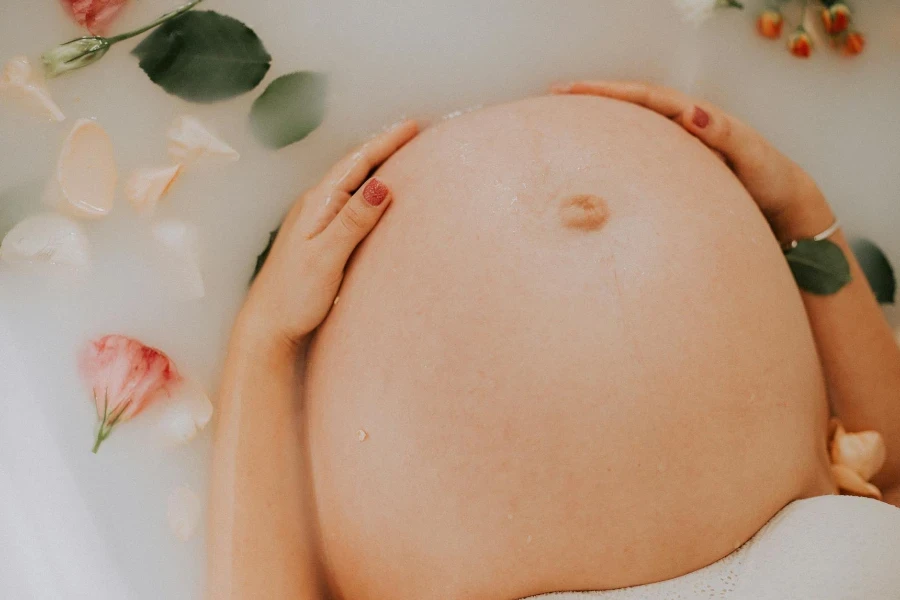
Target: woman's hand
x,y
785,193
300,280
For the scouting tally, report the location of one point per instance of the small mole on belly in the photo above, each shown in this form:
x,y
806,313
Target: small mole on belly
x,y
583,211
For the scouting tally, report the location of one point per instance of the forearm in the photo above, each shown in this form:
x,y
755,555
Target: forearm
x,y
260,529
859,355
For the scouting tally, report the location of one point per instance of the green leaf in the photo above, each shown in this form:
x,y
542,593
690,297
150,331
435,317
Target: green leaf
x,y
290,109
819,267
261,259
203,56
877,268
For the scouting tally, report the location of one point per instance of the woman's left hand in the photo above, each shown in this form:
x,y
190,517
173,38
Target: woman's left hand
x,y
303,272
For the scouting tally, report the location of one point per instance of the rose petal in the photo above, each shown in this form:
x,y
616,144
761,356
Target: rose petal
x,y
849,481
125,375
48,238
186,413
190,141
86,171
181,254
19,76
183,512
145,187
864,452
94,15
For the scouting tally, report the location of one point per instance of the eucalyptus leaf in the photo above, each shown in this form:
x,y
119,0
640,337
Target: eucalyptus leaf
x,y
261,259
290,109
877,268
203,56
819,266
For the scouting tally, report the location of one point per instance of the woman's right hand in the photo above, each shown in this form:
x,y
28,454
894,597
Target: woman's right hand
x,y
299,282
784,192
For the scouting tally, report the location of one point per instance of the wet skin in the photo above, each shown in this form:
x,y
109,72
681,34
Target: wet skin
x,y
579,358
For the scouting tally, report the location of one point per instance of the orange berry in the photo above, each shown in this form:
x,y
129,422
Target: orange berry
x,y
769,24
854,44
836,19
800,44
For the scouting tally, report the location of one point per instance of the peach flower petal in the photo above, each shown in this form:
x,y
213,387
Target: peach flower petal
x,y
184,508
49,239
187,412
19,76
145,187
864,452
190,141
86,171
849,481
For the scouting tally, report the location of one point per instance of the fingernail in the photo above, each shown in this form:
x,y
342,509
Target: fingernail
x,y
701,117
375,192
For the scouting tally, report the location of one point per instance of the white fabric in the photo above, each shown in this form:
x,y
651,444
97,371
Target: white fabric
x,y
827,548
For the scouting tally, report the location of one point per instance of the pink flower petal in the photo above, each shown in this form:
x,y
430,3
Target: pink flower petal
x,y
94,15
125,375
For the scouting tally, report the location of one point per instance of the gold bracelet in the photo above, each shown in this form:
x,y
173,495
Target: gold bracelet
x,y
816,238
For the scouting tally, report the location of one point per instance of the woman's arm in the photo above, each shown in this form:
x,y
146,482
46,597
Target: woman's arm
x,y
262,531
860,356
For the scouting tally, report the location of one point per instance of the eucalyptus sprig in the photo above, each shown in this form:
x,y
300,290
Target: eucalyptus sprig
x,y
819,266
87,50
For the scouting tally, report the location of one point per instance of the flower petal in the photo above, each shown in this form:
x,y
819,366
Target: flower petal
x,y
180,243
183,512
849,481
864,452
19,76
186,413
86,171
145,187
94,15
47,238
190,140
125,375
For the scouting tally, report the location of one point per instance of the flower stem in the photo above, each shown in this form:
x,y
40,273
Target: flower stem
x,y
101,437
169,15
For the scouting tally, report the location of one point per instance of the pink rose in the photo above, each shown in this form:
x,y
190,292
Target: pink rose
x,y
125,377
95,15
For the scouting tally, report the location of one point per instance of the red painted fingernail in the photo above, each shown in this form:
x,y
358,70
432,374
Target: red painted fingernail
x,y
701,117
375,192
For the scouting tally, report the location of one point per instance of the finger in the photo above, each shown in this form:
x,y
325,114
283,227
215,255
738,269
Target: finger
x,y
353,223
345,177
737,143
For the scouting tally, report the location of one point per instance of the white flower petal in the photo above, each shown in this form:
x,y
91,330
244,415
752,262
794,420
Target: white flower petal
x,y
86,172
189,141
181,254
18,75
186,413
145,187
695,11
184,508
47,238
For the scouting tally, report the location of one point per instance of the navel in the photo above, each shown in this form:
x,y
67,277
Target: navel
x,y
583,211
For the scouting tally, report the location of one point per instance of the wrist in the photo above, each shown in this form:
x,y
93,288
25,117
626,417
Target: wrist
x,y
253,331
808,216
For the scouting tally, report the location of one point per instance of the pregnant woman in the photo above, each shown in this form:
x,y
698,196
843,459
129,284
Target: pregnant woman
x,y
570,356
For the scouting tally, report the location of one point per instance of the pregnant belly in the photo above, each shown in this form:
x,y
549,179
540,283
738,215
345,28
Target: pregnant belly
x,y
570,357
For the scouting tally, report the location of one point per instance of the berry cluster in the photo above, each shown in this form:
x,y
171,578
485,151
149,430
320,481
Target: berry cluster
x,y
837,22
